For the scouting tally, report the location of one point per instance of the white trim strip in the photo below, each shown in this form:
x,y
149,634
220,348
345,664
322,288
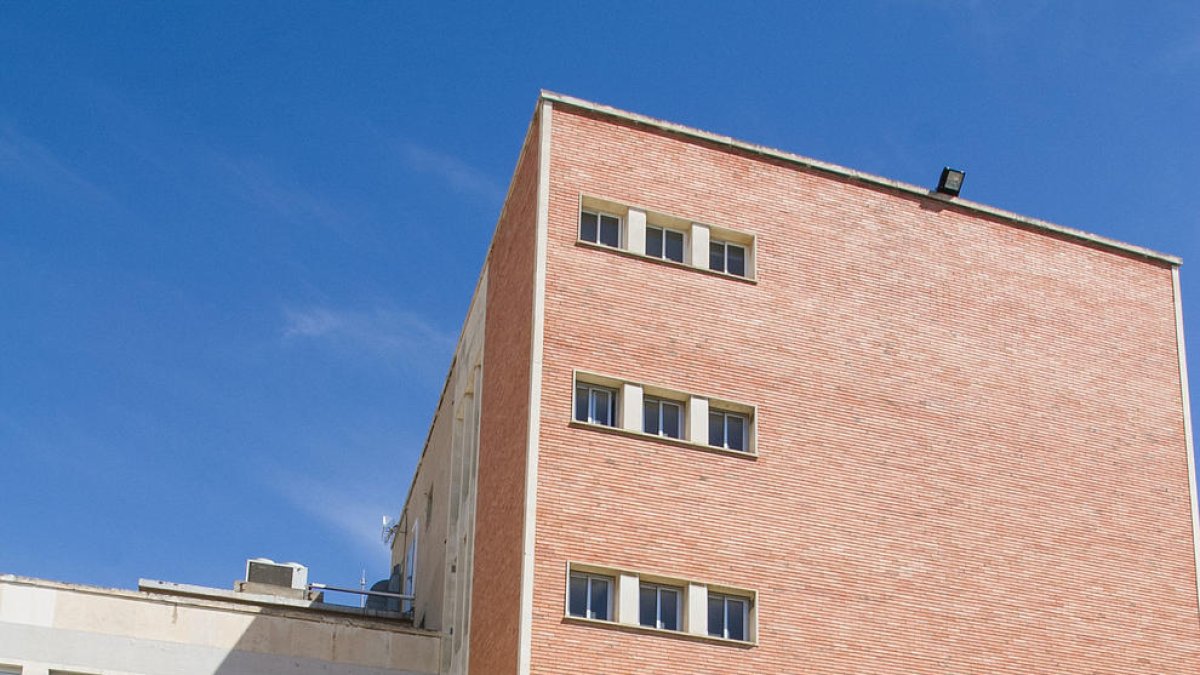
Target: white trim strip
x,y
826,167
525,630
1187,429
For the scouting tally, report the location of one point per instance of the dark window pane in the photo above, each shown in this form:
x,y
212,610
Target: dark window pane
x,y
581,404
716,429
736,426
716,257
587,226
577,605
654,242
599,604
716,616
650,417
610,231
674,246
648,606
737,260
670,420
669,609
601,407
737,619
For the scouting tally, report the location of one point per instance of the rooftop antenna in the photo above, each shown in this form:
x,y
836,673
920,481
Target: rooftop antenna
x,y
362,585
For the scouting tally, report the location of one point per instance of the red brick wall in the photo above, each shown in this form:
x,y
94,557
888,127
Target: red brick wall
x,y
971,443
503,428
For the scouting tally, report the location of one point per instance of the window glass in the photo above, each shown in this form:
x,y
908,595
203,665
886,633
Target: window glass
x,y
727,430
716,429
674,246
588,226
654,242
735,612
658,607
735,432
662,418
582,400
668,611
587,596
716,616
602,407
648,606
578,596
716,256
735,260
671,420
599,599
650,417
596,405
610,231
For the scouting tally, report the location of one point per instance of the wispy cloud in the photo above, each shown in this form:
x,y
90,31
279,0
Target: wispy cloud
x,y
348,512
457,174
263,187
400,337
26,160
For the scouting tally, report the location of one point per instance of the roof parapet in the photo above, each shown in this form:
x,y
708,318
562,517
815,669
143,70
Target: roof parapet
x,y
866,178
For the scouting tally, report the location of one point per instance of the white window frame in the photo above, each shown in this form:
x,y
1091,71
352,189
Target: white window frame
x,y
659,403
659,589
591,403
725,598
589,577
683,245
600,215
725,258
636,223
625,588
725,415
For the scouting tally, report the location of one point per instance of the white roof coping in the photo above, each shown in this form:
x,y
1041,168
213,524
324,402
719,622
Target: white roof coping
x,y
826,167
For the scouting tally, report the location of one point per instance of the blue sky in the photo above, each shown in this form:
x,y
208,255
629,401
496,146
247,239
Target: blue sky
x,y
237,240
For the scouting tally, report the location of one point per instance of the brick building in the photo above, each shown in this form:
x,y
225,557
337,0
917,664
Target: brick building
x,y
718,408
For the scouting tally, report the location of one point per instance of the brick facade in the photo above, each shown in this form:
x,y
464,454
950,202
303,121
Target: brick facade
x,y
971,445
971,453
495,605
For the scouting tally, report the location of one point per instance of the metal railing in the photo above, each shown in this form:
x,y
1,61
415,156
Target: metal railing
x,y
359,591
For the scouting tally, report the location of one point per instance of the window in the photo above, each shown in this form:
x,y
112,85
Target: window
x,y
595,405
600,228
728,430
726,257
590,596
659,607
664,243
662,418
727,616
408,586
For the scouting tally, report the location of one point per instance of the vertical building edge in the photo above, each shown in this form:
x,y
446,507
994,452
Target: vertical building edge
x,y
1187,426
525,646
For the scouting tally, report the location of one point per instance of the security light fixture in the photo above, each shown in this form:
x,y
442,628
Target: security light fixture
x,y
951,181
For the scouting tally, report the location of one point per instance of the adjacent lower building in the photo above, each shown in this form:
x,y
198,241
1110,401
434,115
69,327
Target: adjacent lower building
x,y
718,408
52,628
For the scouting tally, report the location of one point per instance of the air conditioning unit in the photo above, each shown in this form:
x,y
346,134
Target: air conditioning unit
x,y
287,575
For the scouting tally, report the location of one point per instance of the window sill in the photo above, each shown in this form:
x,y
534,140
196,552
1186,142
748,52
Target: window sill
x,y
679,442
635,628
663,261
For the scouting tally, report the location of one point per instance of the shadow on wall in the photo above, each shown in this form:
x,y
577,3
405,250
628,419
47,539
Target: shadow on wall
x,y
285,643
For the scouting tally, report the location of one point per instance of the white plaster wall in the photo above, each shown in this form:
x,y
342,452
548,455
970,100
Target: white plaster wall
x,y
49,626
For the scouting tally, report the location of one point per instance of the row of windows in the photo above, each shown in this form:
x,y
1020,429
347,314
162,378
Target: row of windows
x,y
599,404
675,239
660,605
